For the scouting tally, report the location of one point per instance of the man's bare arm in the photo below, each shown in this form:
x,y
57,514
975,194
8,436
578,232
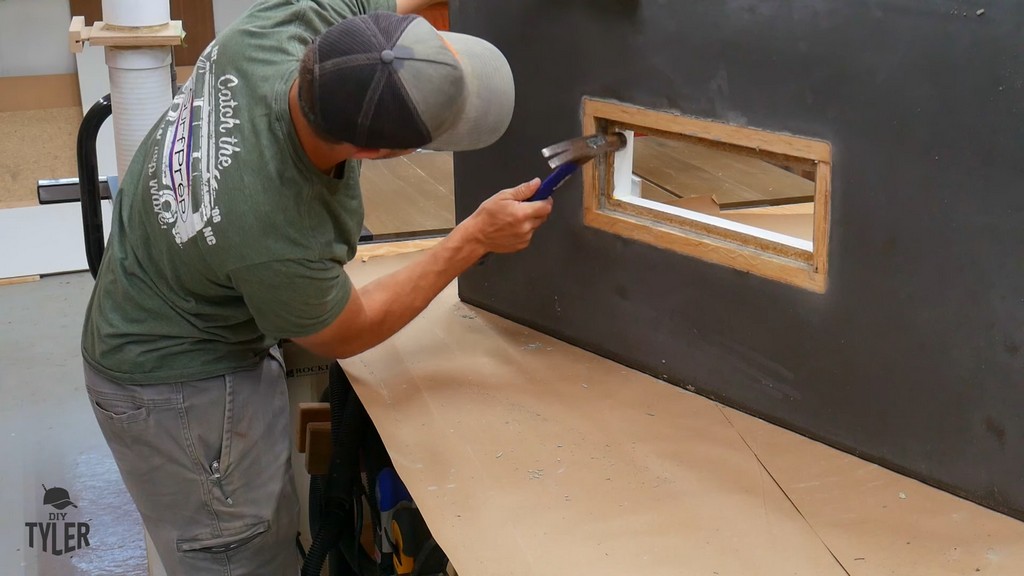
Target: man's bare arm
x,y
503,223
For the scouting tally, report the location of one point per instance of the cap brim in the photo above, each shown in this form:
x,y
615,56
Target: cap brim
x,y
489,99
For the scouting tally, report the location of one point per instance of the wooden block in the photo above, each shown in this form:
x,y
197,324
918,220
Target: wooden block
x,y
310,412
78,34
169,34
18,280
318,457
367,251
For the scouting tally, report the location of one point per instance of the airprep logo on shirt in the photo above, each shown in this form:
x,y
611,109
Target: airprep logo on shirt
x,y
194,145
58,535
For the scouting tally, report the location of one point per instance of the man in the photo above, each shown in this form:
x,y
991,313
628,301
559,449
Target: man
x,y
230,233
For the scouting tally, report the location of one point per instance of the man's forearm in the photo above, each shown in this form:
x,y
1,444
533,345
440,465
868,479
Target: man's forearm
x,y
503,223
394,300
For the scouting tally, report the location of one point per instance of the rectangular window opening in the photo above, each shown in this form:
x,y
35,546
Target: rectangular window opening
x,y
753,200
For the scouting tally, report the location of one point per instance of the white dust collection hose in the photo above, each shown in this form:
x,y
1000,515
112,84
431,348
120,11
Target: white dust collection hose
x,y
140,78
136,13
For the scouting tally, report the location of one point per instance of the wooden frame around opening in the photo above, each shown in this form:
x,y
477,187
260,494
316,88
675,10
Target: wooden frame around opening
x,y
718,245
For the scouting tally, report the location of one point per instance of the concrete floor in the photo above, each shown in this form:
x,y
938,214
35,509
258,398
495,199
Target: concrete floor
x,y
48,436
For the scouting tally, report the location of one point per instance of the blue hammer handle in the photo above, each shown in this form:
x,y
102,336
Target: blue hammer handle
x,y
553,181
547,187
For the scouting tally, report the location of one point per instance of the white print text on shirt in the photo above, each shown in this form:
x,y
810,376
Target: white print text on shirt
x,y
184,185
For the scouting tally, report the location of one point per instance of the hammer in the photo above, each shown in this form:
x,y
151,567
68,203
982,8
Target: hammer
x,y
567,156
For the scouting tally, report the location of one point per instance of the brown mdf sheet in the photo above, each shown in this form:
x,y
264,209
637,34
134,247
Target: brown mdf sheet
x,y
687,169
530,456
877,522
21,93
411,193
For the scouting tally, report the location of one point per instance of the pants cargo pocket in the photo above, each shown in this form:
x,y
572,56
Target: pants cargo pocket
x,y
230,541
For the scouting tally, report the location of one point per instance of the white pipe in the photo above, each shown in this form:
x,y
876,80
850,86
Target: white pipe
x,y
140,92
137,13
140,78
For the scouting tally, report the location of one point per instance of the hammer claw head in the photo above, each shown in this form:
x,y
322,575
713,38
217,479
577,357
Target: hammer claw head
x,y
583,149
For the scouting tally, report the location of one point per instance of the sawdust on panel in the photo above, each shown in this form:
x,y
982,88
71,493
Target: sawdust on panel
x,y
36,145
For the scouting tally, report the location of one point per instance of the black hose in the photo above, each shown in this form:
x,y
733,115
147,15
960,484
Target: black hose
x,y
325,539
89,182
348,430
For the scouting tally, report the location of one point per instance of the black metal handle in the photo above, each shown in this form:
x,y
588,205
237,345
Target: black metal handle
x,y
89,182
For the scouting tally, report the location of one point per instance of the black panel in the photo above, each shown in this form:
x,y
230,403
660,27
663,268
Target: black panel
x,y
912,358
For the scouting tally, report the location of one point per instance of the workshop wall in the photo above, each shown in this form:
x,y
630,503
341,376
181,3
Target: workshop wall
x,y
34,38
912,356
227,11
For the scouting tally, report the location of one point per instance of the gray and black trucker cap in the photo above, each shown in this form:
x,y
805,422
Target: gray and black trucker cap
x,y
384,80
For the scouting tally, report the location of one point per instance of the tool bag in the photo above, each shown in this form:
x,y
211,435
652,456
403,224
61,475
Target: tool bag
x,y
363,520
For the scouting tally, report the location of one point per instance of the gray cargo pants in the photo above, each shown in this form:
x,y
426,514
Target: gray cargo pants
x,y
208,464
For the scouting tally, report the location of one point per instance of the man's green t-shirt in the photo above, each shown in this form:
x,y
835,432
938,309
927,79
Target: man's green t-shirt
x,y
225,238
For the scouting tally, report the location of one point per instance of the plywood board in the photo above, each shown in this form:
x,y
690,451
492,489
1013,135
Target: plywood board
x,y
20,93
656,193
530,456
792,221
687,169
411,193
877,522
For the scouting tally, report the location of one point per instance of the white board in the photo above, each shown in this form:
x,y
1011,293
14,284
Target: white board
x,y
93,84
45,239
